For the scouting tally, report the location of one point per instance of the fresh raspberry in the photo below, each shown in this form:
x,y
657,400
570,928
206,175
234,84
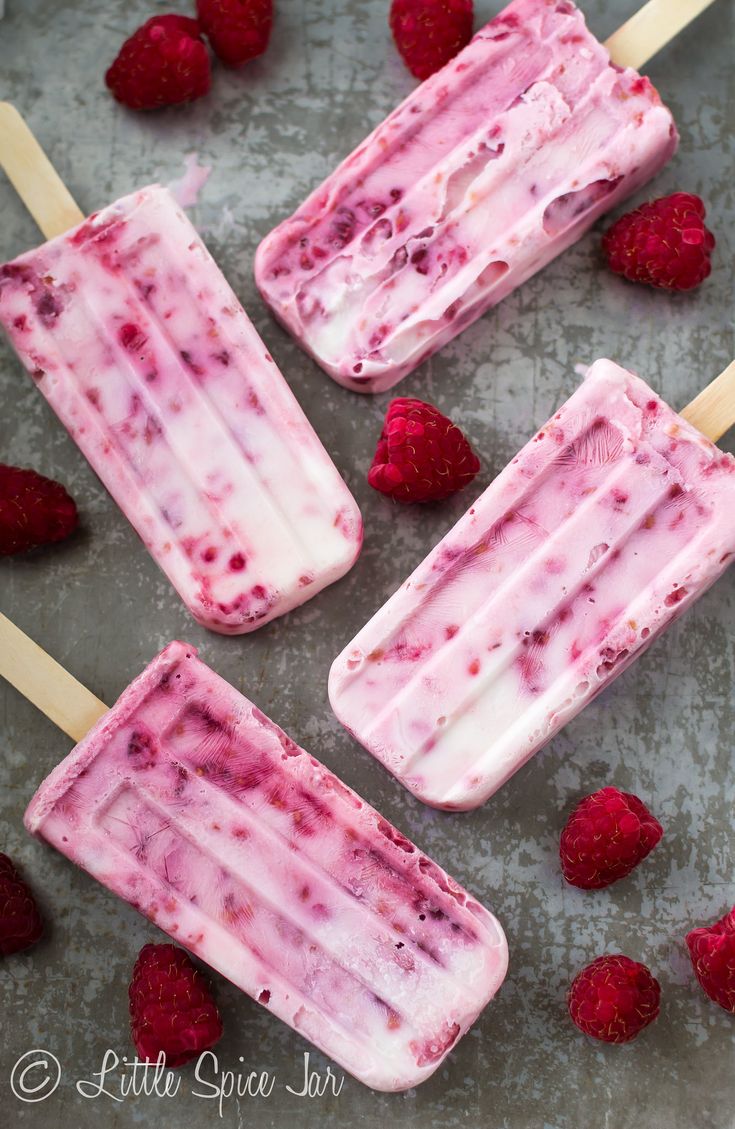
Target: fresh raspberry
x,y
238,30
34,511
428,33
171,1008
606,836
421,456
165,62
614,998
20,921
663,243
712,949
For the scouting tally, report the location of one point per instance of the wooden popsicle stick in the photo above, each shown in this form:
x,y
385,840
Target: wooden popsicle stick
x,y
44,682
34,177
713,411
650,29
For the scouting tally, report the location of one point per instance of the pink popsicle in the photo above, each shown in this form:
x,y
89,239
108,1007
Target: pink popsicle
x,y
610,522
187,802
485,173
132,334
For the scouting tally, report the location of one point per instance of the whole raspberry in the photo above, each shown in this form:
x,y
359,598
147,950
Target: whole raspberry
x,y
20,921
165,62
605,837
614,998
171,1008
34,511
421,455
663,243
712,949
238,30
428,33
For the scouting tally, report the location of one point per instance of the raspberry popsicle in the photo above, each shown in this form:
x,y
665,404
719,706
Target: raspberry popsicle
x,y
187,802
485,173
610,522
136,340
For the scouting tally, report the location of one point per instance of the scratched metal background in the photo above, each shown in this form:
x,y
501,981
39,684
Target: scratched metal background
x,y
99,604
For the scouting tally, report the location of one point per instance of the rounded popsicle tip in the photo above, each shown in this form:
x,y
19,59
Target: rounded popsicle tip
x,y
244,613
353,371
483,966
368,377
486,977
348,520
465,795
349,660
252,606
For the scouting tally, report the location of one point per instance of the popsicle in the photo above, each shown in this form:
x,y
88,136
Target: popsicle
x,y
136,340
610,522
190,804
485,173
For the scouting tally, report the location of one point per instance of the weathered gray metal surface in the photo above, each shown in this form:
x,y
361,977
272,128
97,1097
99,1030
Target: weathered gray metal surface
x,y
100,605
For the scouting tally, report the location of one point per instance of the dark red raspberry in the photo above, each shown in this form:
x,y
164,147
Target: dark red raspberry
x,y
428,33
614,998
238,30
34,511
20,921
421,455
165,62
663,243
606,836
171,1008
712,949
